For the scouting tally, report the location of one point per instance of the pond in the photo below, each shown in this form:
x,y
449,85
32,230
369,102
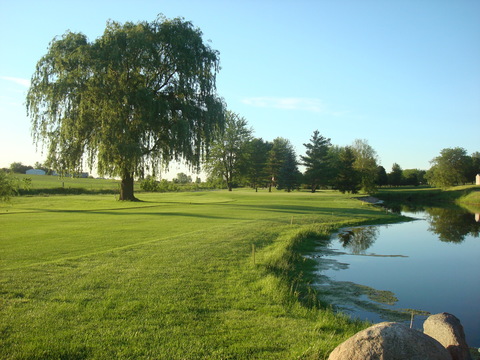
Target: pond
x,y
389,272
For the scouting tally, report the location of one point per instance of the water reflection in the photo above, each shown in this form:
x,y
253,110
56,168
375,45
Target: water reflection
x,y
358,240
389,272
451,224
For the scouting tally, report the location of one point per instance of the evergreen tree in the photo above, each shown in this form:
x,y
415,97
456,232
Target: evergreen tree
x,y
275,160
316,161
289,177
348,179
258,150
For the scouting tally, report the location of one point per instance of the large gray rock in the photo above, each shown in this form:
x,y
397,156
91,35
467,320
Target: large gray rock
x,y
448,331
390,341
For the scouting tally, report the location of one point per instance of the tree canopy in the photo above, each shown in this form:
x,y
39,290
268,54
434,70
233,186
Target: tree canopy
x,y
275,160
450,168
258,151
366,165
395,177
289,177
229,153
347,178
8,186
137,97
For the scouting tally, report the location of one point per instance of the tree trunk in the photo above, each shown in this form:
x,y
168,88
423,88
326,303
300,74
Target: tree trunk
x,y
126,188
230,186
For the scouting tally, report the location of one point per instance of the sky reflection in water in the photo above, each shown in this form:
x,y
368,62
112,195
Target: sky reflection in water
x,y
431,264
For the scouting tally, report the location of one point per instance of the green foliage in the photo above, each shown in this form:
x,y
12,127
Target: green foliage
x,y
27,183
280,158
475,165
183,178
382,177
258,151
8,186
413,177
347,178
395,177
229,154
289,177
450,168
316,161
149,184
366,165
135,98
19,168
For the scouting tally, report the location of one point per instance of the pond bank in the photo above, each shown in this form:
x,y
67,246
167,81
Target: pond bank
x,y
469,194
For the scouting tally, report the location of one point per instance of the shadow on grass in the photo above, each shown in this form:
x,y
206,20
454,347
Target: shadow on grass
x,y
122,212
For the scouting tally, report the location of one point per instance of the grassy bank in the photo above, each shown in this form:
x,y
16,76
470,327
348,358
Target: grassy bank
x,y
172,277
469,194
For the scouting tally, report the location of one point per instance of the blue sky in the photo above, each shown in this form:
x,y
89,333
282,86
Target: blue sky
x,y
404,75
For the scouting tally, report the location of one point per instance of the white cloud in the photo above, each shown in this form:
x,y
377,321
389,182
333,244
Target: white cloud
x,y
20,81
306,104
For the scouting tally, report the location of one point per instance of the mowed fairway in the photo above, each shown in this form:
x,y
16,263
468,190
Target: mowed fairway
x,y
171,277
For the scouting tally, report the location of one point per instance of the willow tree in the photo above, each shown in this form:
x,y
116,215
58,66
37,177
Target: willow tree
x,y
141,95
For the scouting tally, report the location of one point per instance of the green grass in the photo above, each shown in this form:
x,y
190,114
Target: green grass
x,y
425,194
172,277
49,184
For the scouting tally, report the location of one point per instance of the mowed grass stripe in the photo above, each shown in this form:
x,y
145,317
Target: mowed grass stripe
x,y
67,228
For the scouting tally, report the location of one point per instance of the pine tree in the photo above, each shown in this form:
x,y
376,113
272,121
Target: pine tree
x,y
348,179
316,161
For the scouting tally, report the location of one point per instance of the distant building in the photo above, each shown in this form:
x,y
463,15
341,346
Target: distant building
x,y
35,172
478,179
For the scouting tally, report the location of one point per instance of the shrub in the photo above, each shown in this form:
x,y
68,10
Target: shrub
x,y
149,184
8,186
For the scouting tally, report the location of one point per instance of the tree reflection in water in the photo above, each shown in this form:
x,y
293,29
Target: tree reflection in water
x,y
358,240
452,224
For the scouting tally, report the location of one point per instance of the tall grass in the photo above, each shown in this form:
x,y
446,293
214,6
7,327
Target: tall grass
x,y
172,277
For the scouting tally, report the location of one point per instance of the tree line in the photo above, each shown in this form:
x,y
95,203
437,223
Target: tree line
x,y
144,94
243,160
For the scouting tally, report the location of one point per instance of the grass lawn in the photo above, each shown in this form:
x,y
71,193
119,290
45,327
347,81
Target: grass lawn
x,y
38,182
171,277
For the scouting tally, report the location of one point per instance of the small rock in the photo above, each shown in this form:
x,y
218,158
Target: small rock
x,y
390,341
448,331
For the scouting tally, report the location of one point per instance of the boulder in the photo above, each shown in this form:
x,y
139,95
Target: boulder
x,y
390,341
447,330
